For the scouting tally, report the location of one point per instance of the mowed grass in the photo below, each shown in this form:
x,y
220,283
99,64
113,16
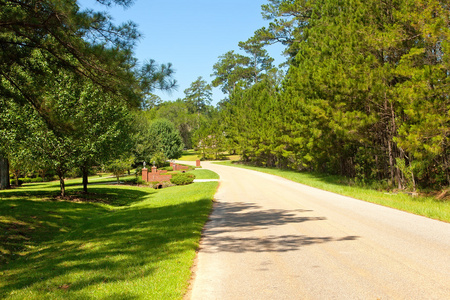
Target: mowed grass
x,y
192,155
120,242
204,174
424,206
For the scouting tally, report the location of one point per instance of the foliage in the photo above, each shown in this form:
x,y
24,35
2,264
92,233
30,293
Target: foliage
x,y
159,159
198,96
166,139
70,73
365,95
182,178
210,139
178,113
120,166
230,70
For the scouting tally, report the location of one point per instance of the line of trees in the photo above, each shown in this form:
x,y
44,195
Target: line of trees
x,y
365,95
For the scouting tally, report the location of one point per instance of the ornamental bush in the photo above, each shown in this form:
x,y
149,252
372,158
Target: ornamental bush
x,y
182,178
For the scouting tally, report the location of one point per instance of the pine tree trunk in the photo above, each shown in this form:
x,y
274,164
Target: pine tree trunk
x,y
4,173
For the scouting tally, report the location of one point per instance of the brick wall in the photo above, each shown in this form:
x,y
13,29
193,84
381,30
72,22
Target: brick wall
x,y
155,175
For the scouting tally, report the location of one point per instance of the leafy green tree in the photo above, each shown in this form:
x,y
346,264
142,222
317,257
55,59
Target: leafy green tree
x,y
42,39
166,138
144,145
210,137
178,113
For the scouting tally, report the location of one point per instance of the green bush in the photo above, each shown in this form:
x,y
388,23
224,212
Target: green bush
x,y
169,168
30,180
182,178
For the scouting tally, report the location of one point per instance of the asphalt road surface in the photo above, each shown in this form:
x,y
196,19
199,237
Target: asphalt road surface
x,y
270,238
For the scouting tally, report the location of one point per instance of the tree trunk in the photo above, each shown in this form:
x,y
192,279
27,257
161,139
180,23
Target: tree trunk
x,y
62,186
85,179
4,173
85,172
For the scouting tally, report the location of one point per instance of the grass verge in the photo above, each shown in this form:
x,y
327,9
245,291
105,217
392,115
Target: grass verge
x,y
424,206
120,242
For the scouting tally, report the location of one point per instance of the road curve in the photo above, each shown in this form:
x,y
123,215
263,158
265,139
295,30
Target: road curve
x,y
270,238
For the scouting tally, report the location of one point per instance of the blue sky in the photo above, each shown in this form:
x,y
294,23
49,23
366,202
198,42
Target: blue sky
x,y
190,34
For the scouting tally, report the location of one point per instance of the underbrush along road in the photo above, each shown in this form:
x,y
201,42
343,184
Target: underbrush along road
x,y
270,238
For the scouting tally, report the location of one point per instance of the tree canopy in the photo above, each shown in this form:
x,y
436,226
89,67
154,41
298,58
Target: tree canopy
x,y
365,95
68,79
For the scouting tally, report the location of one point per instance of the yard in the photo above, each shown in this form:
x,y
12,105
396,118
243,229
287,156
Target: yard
x,y
118,242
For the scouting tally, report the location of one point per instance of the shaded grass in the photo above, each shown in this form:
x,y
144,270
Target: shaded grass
x,y
136,243
424,206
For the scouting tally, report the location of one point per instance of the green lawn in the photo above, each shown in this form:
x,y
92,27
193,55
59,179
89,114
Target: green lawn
x,y
190,155
424,206
204,174
122,242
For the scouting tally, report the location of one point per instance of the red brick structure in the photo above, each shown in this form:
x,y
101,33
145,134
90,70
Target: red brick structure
x,y
155,175
176,167
197,163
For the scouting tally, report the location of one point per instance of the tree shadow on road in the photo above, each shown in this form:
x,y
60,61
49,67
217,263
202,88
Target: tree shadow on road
x,y
231,224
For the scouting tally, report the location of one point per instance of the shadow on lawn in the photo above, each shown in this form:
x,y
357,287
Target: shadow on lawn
x,y
107,246
231,224
28,217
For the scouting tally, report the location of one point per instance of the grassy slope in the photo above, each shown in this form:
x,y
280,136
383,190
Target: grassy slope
x,y
139,244
424,206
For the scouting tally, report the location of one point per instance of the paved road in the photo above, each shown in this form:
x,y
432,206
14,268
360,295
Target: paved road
x,y
270,238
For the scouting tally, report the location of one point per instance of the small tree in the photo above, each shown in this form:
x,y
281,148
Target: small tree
x,y
120,166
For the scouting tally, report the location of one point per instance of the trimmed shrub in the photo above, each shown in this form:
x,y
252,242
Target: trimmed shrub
x,y
182,178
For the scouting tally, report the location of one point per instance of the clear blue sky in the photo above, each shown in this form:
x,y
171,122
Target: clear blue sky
x,y
190,34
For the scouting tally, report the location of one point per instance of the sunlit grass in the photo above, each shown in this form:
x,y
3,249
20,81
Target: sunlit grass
x,y
204,174
133,243
190,155
424,206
